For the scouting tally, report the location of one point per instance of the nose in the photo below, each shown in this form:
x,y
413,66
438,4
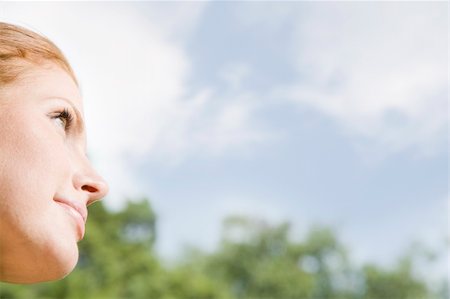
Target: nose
x,y
89,182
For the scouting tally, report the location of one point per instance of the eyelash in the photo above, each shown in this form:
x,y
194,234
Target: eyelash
x,y
67,118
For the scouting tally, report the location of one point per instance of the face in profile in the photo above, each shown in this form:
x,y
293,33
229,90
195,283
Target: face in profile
x,y
46,179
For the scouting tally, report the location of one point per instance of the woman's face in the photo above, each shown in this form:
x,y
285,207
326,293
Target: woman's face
x,y
46,180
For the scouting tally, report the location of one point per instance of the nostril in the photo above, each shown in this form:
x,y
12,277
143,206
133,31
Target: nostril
x,y
89,189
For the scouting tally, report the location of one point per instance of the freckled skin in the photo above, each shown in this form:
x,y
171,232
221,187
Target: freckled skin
x,y
40,161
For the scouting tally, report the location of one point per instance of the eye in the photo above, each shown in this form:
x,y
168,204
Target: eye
x,y
64,118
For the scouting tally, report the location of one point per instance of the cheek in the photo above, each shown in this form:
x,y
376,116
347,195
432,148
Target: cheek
x,y
34,163
35,157
32,169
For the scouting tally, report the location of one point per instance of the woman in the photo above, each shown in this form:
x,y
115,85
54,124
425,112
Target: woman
x,y
46,180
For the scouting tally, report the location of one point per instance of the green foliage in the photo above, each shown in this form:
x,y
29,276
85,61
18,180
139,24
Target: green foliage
x,y
258,261
255,259
396,283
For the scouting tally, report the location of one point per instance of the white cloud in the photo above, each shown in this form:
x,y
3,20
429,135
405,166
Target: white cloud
x,y
378,69
231,126
211,124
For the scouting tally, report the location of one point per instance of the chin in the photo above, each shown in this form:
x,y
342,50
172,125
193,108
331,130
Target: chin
x,y
55,264
61,254
40,251
55,271
60,263
60,271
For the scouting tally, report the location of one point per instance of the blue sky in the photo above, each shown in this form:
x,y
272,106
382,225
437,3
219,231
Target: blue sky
x,y
314,113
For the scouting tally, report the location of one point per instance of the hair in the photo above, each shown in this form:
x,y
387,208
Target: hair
x,y
22,49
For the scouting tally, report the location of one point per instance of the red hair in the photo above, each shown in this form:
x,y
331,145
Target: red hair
x,y
22,49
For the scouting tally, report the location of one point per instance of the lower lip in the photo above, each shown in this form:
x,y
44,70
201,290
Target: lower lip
x,y
77,217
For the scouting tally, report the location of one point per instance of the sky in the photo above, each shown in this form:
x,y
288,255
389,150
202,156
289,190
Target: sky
x,y
330,113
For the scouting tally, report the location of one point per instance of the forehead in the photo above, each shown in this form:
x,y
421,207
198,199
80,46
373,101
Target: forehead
x,y
49,81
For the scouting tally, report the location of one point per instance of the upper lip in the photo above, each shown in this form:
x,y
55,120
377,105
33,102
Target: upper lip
x,y
77,207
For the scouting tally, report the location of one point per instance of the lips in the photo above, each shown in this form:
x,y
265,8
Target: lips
x,y
77,212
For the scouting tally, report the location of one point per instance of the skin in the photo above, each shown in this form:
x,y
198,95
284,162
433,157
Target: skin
x,y
41,162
